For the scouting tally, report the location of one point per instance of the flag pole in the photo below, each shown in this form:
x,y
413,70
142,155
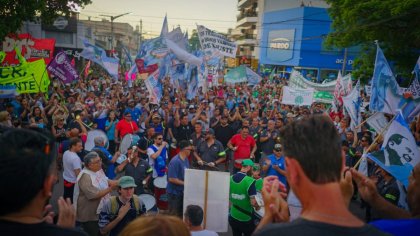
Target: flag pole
x,y
83,69
377,137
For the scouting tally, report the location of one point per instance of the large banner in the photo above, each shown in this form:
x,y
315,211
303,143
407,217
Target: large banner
x,y
298,81
299,97
211,40
31,48
62,68
28,77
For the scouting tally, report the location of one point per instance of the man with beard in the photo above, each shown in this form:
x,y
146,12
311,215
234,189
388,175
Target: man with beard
x,y
145,142
210,151
158,155
134,111
242,199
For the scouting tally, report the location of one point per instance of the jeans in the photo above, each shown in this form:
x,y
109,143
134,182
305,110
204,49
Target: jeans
x,y
175,203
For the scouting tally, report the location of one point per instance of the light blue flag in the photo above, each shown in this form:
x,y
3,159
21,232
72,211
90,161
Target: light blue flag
x,y
97,54
385,97
127,54
236,75
352,103
253,78
192,82
399,152
8,91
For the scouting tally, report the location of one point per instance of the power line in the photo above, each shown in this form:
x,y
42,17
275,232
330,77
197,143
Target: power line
x,y
160,17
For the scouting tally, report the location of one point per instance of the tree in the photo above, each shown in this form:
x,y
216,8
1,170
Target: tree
x,y
194,41
394,23
14,12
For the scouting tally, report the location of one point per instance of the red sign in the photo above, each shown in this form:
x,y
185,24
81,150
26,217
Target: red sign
x,y
31,48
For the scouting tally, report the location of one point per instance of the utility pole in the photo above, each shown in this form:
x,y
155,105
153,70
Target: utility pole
x,y
343,69
141,33
112,26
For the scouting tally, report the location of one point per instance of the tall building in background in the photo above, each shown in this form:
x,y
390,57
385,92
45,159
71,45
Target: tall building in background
x,y
245,33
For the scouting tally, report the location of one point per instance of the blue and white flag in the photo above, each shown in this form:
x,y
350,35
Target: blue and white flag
x,y
8,91
98,55
192,79
414,88
399,152
253,78
154,86
352,103
385,97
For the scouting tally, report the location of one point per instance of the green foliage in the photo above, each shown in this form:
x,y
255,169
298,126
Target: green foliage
x,y
394,23
14,12
194,41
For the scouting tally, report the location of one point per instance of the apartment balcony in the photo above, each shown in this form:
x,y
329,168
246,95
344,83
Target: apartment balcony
x,y
246,3
246,20
247,39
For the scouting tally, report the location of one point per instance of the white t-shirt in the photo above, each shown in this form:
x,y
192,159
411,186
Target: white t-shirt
x,y
150,152
71,162
204,233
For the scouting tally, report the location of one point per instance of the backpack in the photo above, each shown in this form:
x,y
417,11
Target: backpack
x,y
114,204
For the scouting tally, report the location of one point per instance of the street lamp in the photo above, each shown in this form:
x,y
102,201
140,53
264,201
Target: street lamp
x,y
112,26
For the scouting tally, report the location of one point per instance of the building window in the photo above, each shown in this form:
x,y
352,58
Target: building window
x,y
327,75
310,74
60,37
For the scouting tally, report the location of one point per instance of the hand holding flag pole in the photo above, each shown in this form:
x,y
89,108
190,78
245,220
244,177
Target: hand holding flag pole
x,y
377,138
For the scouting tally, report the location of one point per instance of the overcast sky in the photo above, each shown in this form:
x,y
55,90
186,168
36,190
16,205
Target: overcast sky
x,y
218,15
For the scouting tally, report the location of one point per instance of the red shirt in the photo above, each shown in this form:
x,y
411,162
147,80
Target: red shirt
x,y
244,147
125,127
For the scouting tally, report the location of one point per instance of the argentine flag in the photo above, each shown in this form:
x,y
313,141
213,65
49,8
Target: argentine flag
x,y
8,91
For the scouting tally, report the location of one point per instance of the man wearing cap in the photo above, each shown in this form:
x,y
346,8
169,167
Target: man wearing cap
x,y
120,210
176,175
134,111
274,164
125,126
242,198
136,168
156,123
210,152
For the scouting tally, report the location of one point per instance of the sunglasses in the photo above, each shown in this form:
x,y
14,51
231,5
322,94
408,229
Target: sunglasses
x,y
277,150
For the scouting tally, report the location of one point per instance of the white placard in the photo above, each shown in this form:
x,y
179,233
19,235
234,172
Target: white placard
x,y
217,209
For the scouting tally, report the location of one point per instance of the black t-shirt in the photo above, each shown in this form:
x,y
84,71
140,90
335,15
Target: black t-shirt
x,y
224,134
42,229
305,227
183,132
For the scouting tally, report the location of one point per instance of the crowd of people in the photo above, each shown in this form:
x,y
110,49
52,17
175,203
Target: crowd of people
x,y
268,148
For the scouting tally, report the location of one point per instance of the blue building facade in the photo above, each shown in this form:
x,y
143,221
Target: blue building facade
x,y
293,38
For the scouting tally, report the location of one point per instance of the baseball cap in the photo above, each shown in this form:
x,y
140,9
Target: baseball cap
x,y
191,107
210,131
126,182
277,146
155,116
247,162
